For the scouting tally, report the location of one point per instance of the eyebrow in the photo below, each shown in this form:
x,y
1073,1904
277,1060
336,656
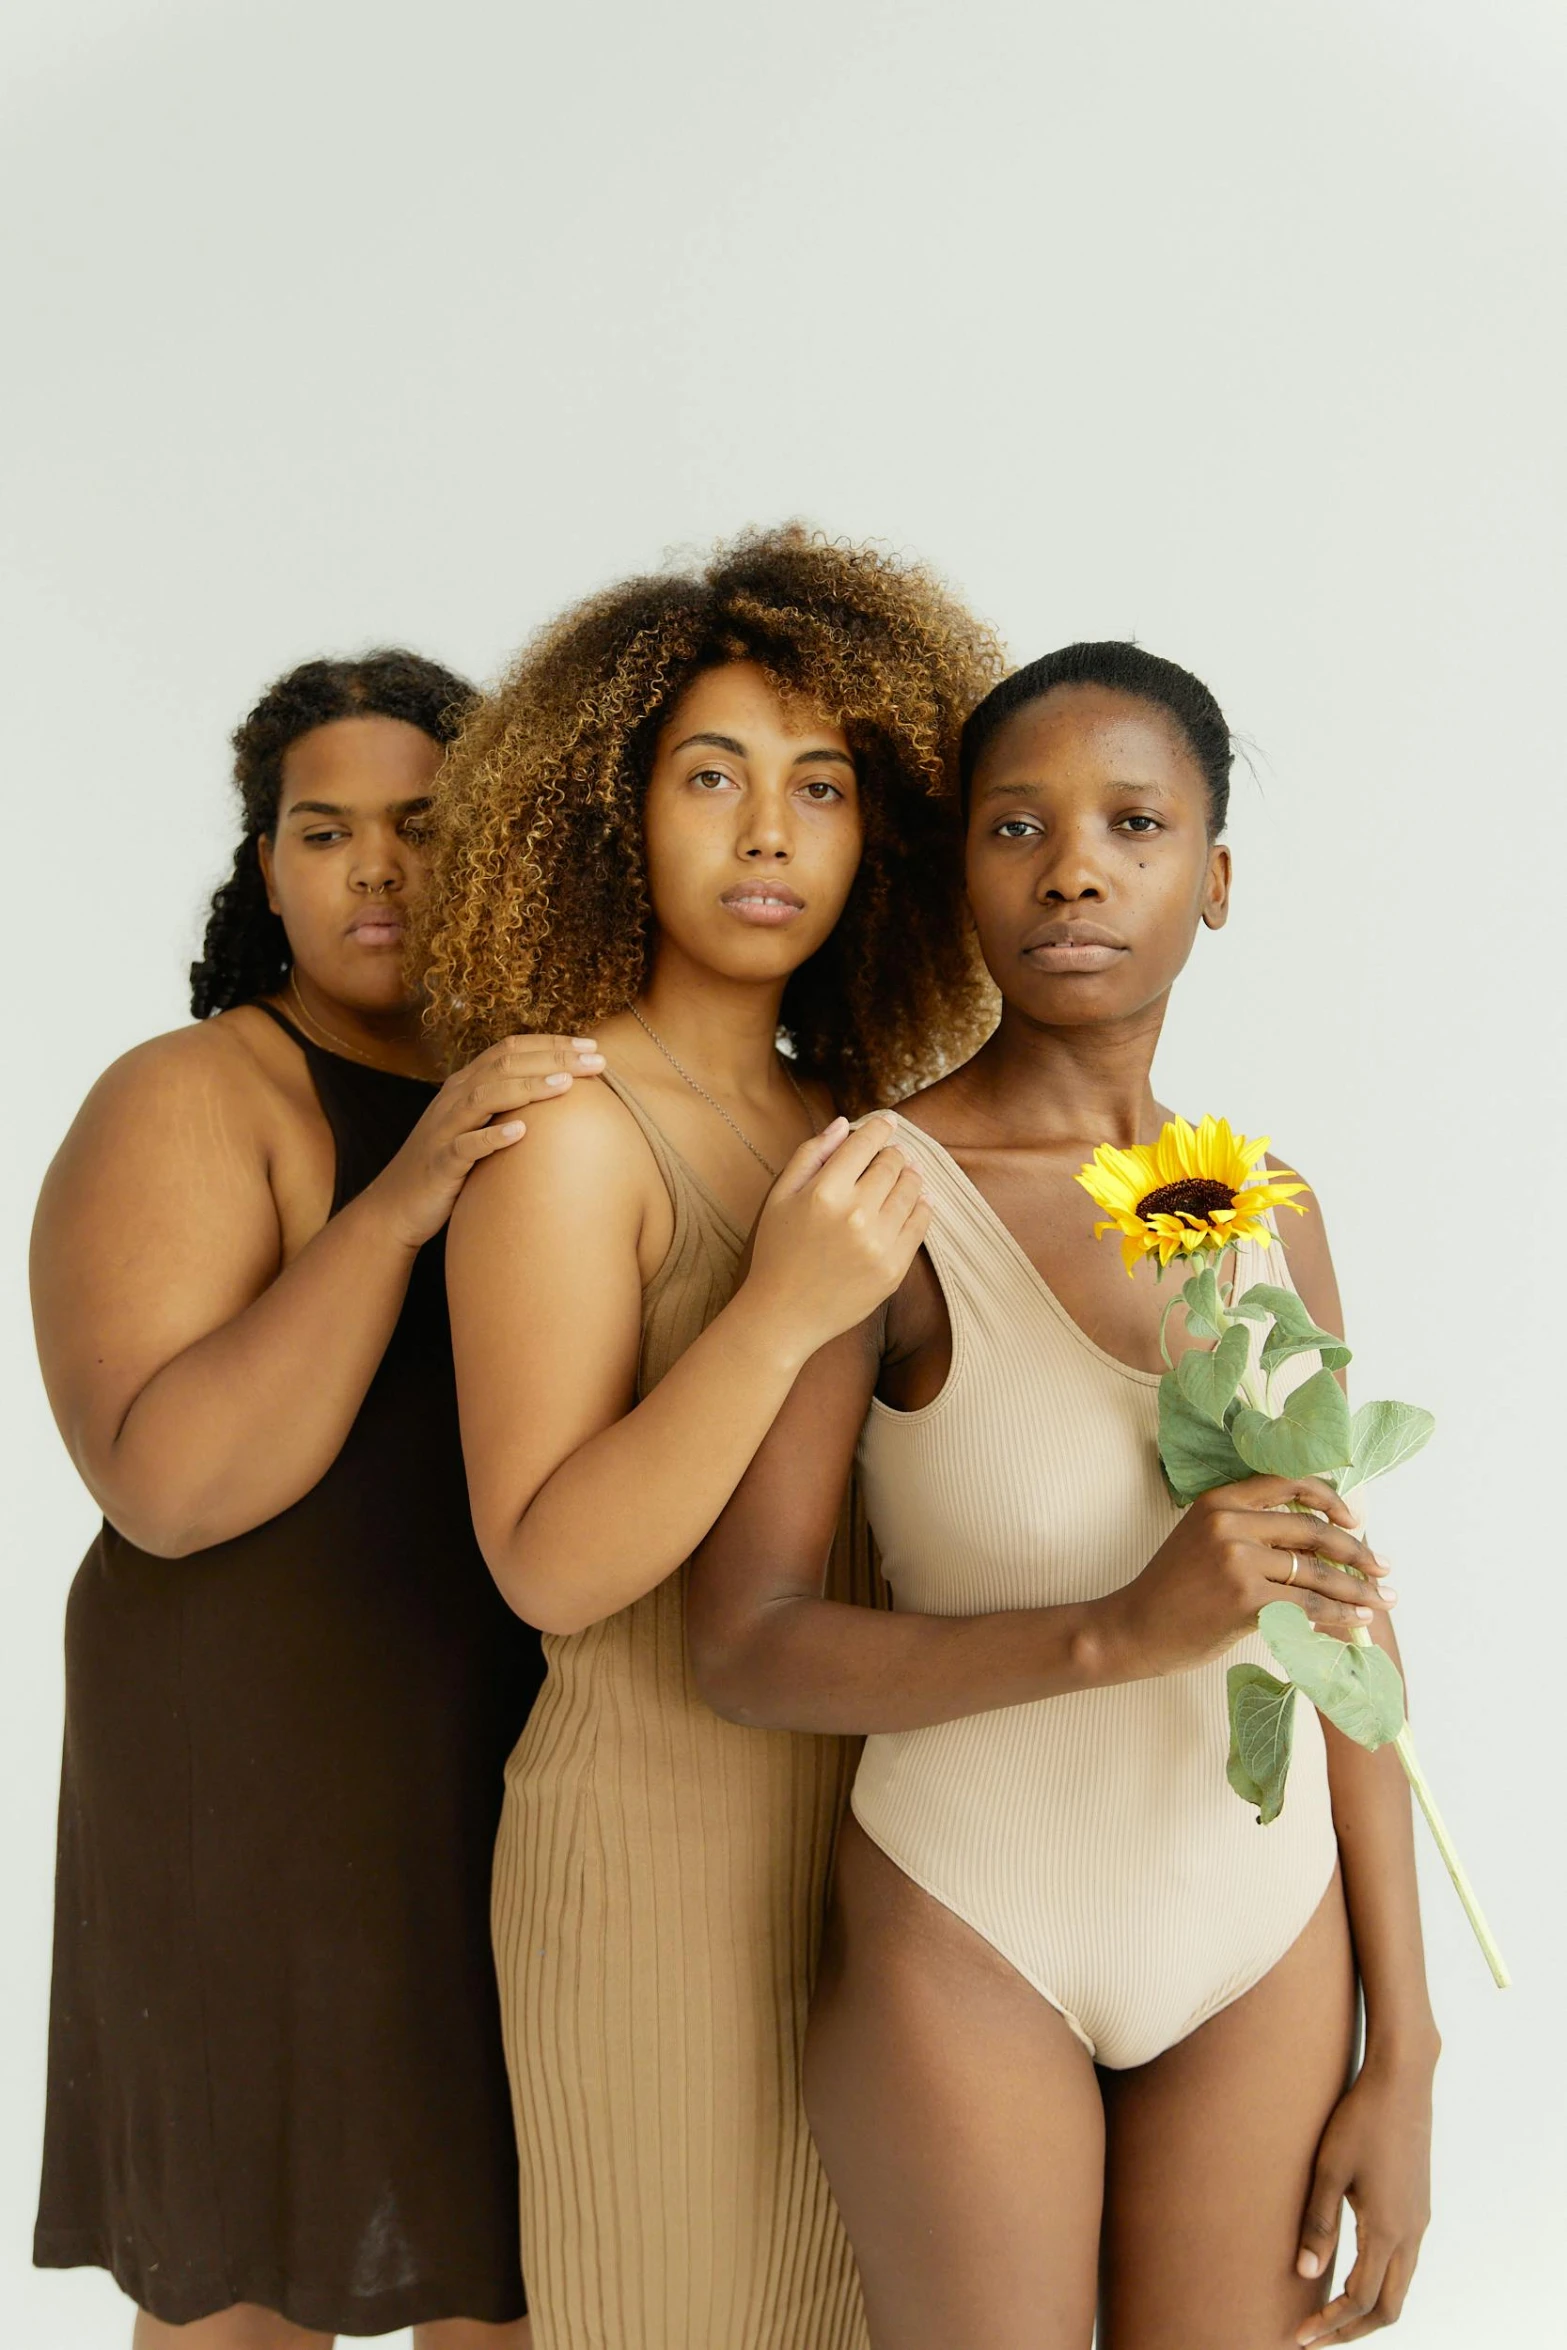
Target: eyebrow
x,y
330,807
727,742
1145,787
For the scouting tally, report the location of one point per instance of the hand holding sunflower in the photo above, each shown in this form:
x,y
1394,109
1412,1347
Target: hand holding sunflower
x,y
1194,1194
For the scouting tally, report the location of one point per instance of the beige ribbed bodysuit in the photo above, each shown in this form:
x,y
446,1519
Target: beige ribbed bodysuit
x,y
1091,1838
658,1895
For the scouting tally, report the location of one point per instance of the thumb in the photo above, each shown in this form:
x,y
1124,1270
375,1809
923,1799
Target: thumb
x,y
810,1158
1319,2228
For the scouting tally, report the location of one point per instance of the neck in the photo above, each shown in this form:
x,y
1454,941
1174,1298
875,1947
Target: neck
x,y
725,1028
393,1040
1069,1085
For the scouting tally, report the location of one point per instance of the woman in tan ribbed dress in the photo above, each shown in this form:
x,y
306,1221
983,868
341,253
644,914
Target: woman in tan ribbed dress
x,y
699,813
1080,2046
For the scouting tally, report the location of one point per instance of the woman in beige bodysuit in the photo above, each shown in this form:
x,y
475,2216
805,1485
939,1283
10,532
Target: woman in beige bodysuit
x,y
1082,2036
699,810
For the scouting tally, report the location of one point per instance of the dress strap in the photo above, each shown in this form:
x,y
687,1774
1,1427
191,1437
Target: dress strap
x,y
258,1004
680,1178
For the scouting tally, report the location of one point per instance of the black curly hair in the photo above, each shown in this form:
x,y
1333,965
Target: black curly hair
x,y
244,951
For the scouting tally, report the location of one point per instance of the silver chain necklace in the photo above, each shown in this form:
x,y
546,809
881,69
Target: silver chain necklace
x,y
732,1123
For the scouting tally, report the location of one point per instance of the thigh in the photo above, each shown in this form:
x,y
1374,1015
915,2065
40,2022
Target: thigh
x,y
466,2333
1209,2158
959,2121
244,2327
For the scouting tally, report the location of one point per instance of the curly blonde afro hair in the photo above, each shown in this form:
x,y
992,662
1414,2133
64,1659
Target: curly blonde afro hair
x,y
537,914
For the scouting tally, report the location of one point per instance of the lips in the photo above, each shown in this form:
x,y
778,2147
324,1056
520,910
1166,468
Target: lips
x,y
768,905
1072,946
383,928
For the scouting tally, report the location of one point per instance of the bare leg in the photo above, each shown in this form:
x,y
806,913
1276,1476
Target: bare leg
x,y
959,2121
466,2333
247,2328
244,2327
1210,2153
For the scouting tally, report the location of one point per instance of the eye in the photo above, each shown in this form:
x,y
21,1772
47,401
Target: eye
x,y
1141,825
820,790
1018,828
711,779
324,839
416,831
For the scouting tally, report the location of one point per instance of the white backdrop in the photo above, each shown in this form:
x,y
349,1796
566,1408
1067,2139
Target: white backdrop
x,y
1234,325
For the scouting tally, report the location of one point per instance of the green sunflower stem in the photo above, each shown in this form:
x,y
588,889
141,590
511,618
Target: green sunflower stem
x,y
1404,1748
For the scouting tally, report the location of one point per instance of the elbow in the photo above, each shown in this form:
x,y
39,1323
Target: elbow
x,y
541,1597
726,1682
150,1522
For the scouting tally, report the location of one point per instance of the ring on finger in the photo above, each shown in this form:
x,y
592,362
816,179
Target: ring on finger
x,y
1294,1569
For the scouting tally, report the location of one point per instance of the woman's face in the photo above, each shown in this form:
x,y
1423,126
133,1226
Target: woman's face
x,y
1089,859
752,827
346,859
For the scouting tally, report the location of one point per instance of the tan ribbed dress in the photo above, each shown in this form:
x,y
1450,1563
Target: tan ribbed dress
x,y
1092,1838
659,1884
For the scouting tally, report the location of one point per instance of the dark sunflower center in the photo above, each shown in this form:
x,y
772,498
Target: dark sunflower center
x,y
1195,1195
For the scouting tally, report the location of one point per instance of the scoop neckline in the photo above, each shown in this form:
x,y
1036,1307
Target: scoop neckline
x,y
1019,1253
698,1182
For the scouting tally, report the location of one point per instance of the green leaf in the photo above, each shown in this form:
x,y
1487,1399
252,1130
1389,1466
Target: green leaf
x,y
1196,1455
1204,1314
1262,1735
1358,1689
1208,1381
1294,1332
1307,1437
1382,1435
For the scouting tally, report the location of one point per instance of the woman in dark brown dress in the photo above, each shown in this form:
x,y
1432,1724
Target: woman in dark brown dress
x,y
277,2103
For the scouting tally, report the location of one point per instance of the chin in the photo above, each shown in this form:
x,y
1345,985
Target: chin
x,y
760,956
373,995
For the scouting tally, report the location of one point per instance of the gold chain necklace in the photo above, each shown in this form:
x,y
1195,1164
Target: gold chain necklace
x,y
732,1123
323,1035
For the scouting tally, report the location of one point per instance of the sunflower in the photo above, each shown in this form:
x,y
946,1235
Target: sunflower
x,y
1187,1192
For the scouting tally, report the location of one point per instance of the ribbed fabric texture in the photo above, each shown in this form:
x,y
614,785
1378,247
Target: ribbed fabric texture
x,y
1093,1839
659,1884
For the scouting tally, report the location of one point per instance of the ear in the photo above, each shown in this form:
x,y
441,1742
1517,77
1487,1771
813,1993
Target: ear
x,y
1216,888
264,859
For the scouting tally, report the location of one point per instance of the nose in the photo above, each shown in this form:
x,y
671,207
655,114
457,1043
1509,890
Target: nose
x,y
379,870
1069,872
766,836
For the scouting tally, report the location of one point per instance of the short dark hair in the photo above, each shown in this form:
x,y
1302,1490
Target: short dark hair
x,y
245,950
1123,669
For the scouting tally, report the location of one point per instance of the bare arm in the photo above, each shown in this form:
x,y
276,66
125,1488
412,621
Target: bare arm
x,y
583,1498
768,1649
200,1383
1371,1804
1377,2147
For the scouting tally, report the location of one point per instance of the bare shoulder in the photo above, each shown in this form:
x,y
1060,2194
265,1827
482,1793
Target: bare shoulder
x,y
582,1156
208,1079
934,1107
1310,1258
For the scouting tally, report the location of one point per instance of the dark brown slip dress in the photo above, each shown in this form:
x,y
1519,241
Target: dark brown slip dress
x,y
275,2062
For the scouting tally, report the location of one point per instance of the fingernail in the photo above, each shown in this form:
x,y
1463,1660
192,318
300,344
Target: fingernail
x,y
1387,1591
1309,2265
511,1132
560,1078
586,1044
590,1060
1365,1614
